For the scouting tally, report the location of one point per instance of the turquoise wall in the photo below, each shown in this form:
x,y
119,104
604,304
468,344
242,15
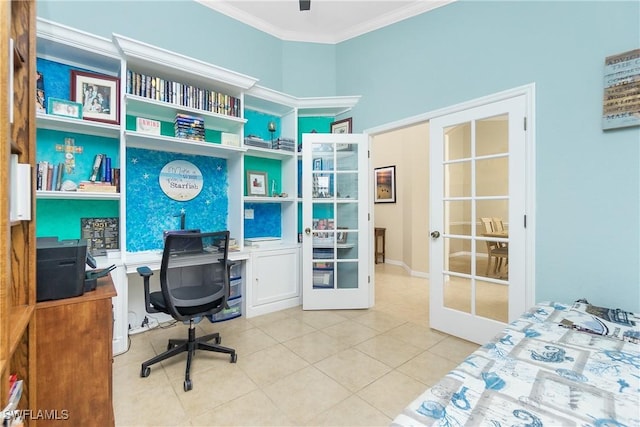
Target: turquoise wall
x,y
587,201
587,180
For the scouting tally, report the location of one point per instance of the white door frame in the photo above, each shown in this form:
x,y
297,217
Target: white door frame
x,y
528,91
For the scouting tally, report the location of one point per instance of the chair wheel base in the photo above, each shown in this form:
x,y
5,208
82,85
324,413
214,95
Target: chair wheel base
x,y
234,358
187,385
145,372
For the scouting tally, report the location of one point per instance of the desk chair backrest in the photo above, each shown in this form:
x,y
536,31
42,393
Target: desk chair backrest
x,y
194,275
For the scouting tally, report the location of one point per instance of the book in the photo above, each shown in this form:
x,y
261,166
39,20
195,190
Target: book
x,y
103,168
107,170
59,176
96,187
96,168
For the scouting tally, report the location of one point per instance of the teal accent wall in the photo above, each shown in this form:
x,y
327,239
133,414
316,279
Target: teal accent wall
x,y
257,124
587,180
61,218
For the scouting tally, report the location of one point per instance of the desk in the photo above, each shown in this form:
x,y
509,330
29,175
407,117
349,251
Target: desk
x,y
379,237
74,357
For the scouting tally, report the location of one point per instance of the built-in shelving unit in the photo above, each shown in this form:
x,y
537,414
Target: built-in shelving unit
x,y
17,239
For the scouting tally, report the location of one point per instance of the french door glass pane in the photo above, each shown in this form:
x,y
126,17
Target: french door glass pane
x,y
458,217
492,177
457,293
492,300
457,179
492,135
457,142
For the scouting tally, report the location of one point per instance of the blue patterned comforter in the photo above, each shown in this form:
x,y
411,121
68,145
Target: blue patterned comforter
x,y
537,373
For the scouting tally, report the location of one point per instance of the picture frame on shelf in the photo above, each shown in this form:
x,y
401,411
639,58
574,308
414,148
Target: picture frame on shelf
x,y
342,126
257,184
64,108
384,184
98,94
41,105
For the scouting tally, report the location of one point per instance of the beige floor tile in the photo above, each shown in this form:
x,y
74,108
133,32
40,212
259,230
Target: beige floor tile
x,y
266,366
350,332
427,367
286,329
252,409
416,335
305,394
388,350
249,341
454,349
351,412
127,380
213,387
268,318
315,346
154,407
379,320
391,393
353,369
319,319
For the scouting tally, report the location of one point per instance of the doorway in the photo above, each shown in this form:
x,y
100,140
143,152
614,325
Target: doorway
x,y
405,252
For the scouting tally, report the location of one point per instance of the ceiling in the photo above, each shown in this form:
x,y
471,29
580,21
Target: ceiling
x,y
328,21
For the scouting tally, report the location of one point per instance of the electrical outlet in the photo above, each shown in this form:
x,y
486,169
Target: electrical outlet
x,y
248,214
149,324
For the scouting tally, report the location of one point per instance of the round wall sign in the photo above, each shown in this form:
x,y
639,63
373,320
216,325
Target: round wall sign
x,y
180,180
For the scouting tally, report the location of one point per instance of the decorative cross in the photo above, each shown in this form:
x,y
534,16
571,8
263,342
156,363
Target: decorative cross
x,y
70,149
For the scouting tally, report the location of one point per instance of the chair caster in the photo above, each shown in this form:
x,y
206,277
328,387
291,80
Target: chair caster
x,y
187,385
144,373
234,358
218,339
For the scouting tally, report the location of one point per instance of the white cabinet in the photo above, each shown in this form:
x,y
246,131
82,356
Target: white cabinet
x,y
272,280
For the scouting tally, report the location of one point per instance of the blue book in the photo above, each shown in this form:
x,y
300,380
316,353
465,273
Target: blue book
x,y
107,172
103,168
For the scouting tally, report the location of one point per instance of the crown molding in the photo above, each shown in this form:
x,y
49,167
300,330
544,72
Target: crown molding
x,y
397,15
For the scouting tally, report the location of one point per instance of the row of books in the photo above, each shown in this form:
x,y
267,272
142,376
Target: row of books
x,y
189,127
182,94
49,176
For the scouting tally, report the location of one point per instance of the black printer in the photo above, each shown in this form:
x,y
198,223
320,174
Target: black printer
x,y
60,268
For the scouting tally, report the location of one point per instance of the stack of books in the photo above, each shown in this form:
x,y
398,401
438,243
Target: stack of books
x,y
256,141
284,144
189,127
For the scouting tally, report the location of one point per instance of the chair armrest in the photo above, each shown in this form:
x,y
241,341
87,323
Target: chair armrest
x,y
146,273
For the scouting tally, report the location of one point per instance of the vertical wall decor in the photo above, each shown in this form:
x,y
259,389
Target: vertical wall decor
x,y
621,101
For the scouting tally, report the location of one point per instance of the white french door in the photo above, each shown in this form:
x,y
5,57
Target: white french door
x,y
478,172
335,240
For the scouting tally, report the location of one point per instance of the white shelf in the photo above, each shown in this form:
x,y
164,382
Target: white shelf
x,y
85,127
258,199
269,153
179,145
79,195
159,110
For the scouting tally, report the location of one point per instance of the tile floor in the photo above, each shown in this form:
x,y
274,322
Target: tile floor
x,y
295,368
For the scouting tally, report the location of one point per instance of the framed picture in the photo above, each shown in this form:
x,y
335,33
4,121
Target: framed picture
x,y
41,106
64,108
317,164
98,94
341,126
341,236
256,183
385,184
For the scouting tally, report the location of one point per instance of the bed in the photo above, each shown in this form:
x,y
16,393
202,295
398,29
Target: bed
x,y
557,365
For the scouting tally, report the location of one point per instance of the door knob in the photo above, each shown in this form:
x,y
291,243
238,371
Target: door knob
x,y
307,231
435,234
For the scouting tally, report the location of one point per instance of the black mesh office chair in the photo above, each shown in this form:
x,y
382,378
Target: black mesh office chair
x,y
194,280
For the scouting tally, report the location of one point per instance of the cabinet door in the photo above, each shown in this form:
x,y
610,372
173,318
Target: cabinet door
x,y
275,275
335,190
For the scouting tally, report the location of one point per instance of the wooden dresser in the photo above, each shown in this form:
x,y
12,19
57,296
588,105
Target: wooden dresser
x,y
74,357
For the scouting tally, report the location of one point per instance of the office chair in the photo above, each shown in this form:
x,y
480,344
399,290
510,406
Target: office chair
x,y
194,281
